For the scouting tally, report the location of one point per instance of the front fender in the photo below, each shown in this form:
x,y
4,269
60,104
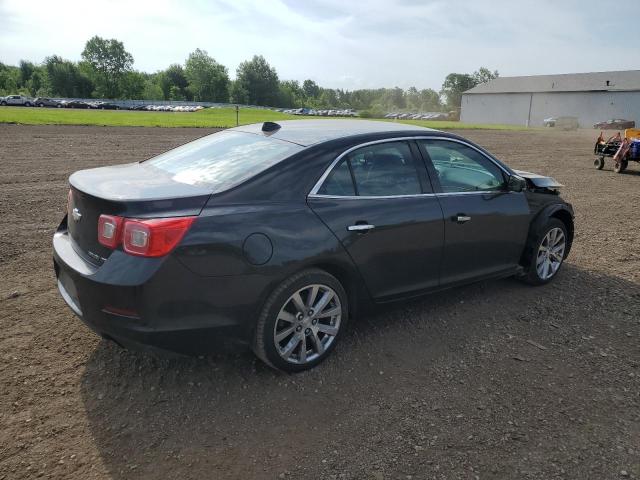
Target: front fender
x,y
561,211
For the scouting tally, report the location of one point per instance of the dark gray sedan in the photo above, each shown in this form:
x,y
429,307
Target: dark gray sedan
x,y
274,236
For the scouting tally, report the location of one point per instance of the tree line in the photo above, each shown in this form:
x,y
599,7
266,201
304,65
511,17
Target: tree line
x,y
106,71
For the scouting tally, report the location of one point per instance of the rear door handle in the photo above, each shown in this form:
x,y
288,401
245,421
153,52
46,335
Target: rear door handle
x,y
360,227
461,218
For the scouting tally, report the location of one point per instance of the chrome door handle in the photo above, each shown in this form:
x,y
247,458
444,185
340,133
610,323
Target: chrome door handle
x,y
462,218
360,227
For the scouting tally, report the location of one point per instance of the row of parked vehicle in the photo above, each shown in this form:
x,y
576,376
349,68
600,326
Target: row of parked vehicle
x,y
320,113
418,116
167,108
21,100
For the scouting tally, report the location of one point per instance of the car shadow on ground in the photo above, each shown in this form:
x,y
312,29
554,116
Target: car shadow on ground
x,y
229,416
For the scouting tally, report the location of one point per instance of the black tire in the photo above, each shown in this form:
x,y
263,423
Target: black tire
x,y
28,104
264,344
3,103
531,274
40,105
59,105
599,163
621,166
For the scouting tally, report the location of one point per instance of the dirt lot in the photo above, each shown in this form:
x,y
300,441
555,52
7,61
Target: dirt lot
x,y
492,381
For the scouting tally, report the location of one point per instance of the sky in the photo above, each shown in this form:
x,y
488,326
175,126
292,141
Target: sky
x,y
338,43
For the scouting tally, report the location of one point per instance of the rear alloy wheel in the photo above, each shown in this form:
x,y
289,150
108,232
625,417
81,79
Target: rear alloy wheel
x,y
599,163
301,322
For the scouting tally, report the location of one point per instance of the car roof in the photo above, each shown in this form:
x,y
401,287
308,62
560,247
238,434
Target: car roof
x,y
310,132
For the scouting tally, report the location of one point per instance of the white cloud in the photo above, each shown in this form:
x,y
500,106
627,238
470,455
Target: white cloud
x,y
337,43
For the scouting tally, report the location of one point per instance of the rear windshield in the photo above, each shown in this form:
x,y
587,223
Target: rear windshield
x,y
223,160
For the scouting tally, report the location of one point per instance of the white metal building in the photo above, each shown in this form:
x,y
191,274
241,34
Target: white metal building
x,y
591,97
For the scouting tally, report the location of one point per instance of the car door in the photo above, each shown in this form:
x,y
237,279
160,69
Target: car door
x,y
377,200
485,224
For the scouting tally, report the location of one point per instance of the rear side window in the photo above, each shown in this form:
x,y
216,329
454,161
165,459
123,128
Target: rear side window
x,y
338,182
223,160
385,169
378,170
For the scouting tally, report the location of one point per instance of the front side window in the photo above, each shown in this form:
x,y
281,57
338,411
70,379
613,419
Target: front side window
x,y
378,170
223,160
461,168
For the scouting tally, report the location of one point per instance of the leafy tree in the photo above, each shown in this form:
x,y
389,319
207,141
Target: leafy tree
x,y
259,80
453,87
65,78
328,98
177,78
311,89
430,101
152,91
9,76
175,93
291,94
37,84
208,80
132,85
457,83
394,98
26,71
109,63
483,75
237,93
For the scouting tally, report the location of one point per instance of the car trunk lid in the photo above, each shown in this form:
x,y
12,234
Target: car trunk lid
x,y
133,191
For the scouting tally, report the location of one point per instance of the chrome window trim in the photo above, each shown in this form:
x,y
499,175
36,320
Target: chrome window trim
x,y
314,191
443,194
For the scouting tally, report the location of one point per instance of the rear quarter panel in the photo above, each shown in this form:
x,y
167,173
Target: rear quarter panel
x,y
216,245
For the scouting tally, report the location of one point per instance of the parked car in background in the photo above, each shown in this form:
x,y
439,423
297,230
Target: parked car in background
x,y
76,104
615,124
104,106
46,102
549,122
201,244
17,100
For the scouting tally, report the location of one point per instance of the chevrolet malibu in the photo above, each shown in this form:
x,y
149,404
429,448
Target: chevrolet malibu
x,y
274,235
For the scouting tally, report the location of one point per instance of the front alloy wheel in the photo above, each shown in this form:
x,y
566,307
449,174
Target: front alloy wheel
x,y
548,250
550,253
301,321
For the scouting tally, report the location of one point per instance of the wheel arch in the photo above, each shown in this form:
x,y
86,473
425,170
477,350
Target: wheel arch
x,y
559,211
348,278
566,217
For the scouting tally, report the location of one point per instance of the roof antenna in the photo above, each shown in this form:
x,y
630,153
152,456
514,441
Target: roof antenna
x,y
270,127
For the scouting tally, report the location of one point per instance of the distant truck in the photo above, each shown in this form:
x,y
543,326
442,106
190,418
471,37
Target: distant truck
x,y
17,100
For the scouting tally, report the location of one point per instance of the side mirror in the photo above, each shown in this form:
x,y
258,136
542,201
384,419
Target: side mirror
x,y
516,183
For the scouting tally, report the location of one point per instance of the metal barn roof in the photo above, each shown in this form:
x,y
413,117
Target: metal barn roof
x,y
628,80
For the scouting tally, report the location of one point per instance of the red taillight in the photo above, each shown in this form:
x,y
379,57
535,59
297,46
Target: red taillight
x,y
145,238
109,230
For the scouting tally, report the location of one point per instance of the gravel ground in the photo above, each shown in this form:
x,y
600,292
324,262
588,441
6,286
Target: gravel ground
x,y
493,381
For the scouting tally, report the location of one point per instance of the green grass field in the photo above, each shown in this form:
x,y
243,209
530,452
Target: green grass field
x,y
209,117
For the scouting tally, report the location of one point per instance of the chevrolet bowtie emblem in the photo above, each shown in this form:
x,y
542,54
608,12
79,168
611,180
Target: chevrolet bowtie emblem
x,y
75,213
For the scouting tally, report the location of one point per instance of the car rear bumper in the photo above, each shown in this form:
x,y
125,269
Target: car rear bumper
x,y
157,303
